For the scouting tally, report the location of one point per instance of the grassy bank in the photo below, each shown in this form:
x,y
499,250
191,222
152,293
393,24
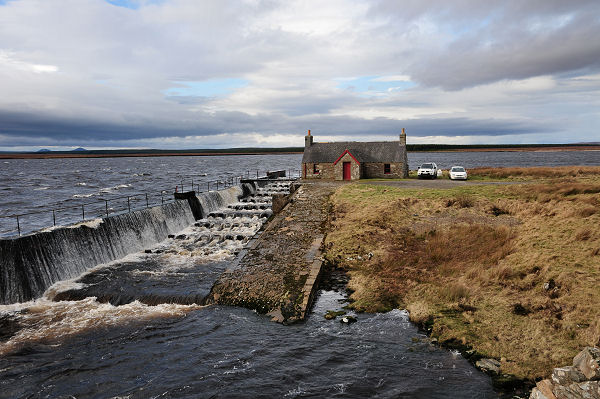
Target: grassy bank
x,y
510,270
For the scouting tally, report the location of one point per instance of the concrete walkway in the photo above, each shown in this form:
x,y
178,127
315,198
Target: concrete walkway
x,y
278,274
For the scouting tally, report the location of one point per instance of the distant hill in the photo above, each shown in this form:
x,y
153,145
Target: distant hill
x,y
44,150
79,149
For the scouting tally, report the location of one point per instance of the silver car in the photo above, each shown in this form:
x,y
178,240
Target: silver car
x,y
458,173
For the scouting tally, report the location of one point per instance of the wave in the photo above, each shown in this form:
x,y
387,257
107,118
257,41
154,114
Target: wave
x,y
46,322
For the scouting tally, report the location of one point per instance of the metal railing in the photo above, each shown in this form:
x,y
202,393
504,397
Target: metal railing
x,y
105,207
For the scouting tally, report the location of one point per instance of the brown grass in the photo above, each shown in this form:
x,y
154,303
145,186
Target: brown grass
x,y
537,172
461,200
583,234
480,277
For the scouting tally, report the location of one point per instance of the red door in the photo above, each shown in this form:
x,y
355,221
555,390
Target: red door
x,y
347,175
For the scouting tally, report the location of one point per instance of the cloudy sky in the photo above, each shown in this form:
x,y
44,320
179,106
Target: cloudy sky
x,y
236,73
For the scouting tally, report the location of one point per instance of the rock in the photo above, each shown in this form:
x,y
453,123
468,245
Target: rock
x,y
537,394
148,251
181,237
276,316
488,365
580,390
567,375
348,320
548,285
588,362
171,236
544,390
332,314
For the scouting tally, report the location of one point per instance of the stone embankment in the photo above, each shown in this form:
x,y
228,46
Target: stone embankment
x,y
278,273
579,381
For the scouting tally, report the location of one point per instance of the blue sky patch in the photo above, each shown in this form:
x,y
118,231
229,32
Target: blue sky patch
x,y
205,88
132,4
374,85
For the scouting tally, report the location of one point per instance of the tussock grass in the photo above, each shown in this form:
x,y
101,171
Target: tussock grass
x,y
462,201
537,172
515,274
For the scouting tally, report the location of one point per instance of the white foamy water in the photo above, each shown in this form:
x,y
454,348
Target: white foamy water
x,y
48,322
108,190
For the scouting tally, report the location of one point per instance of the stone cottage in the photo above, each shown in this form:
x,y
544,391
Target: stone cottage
x,y
354,160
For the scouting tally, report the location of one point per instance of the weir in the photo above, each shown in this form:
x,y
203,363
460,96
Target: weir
x,y
31,264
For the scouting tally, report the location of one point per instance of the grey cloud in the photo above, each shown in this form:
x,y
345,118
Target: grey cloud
x,y
17,126
485,43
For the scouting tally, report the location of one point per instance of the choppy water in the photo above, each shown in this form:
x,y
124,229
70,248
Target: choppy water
x,y
40,185
175,351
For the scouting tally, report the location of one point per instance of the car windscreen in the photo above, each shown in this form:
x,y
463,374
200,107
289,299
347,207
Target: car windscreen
x,y
458,169
427,166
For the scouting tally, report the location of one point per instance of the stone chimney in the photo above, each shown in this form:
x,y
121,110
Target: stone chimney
x,y
308,140
405,155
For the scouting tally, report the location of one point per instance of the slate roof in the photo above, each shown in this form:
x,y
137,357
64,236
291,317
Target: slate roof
x,y
381,151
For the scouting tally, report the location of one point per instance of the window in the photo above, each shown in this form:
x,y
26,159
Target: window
x,y
386,168
316,169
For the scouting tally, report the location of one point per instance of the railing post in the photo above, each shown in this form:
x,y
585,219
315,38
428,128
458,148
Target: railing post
x,y
257,173
18,225
217,185
106,207
128,205
147,205
208,186
192,184
53,217
82,213
182,185
162,201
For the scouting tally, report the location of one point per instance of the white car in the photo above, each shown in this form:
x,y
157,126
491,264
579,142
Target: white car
x,y
428,170
458,173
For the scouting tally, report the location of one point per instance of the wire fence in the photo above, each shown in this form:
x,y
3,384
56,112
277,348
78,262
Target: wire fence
x,y
57,215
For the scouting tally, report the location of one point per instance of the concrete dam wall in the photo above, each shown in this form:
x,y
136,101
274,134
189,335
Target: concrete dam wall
x,y
31,264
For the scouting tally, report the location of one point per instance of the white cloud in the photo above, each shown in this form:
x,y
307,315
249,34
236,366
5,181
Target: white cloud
x,y
9,60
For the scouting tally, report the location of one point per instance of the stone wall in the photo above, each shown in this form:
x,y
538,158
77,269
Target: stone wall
x,y
367,170
372,170
338,168
325,171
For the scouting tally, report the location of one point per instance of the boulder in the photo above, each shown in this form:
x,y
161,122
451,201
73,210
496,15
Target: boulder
x,y
567,375
488,365
580,390
588,362
543,390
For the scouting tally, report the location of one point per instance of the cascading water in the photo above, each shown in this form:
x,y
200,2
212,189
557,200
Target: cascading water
x,y
182,268
31,264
